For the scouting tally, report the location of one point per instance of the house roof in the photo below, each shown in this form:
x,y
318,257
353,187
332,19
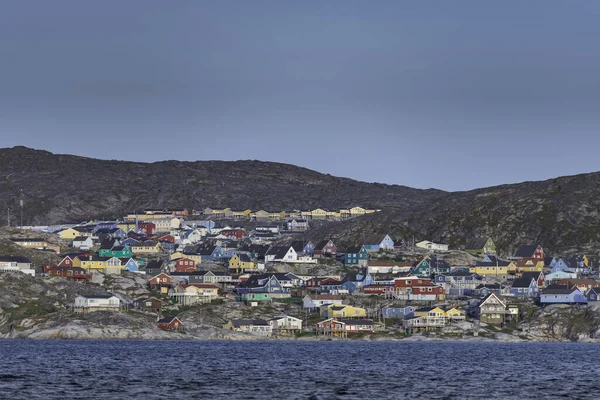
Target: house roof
x,y
522,282
34,239
244,257
477,243
532,274
298,245
237,323
97,296
324,297
17,259
559,289
356,321
167,320
354,249
321,245
82,238
526,250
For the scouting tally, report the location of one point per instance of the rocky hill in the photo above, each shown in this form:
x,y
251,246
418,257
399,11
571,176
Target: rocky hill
x,y
563,214
59,188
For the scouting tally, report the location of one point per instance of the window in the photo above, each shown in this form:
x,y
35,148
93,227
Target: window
x,y
429,289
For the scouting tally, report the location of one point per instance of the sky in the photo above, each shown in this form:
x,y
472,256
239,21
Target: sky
x,y
453,95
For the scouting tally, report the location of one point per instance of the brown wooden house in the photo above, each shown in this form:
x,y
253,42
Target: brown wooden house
x,y
150,304
170,324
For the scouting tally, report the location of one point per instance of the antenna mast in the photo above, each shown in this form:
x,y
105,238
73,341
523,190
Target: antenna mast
x,y
21,204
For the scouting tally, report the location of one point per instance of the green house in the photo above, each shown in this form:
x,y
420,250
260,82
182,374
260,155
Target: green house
x,y
482,245
422,268
117,251
356,255
257,296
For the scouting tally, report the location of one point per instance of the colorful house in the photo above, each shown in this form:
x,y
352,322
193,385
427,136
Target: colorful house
x,y
376,243
241,262
342,311
356,255
325,248
562,294
117,251
260,297
524,287
170,324
481,245
530,251
109,265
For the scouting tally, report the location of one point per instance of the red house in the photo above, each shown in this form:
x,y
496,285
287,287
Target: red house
x,y
161,279
315,283
185,265
325,248
375,289
166,238
146,228
170,324
233,233
530,251
74,274
67,260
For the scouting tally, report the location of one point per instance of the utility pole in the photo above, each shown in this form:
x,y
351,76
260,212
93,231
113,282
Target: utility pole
x,y
8,217
21,203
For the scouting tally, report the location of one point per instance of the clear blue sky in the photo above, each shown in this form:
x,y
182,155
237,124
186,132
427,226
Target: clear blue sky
x,y
447,94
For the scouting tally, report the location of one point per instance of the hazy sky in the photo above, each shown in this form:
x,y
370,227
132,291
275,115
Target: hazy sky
x,y
447,94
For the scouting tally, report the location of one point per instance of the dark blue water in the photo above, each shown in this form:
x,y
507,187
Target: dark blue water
x,y
296,370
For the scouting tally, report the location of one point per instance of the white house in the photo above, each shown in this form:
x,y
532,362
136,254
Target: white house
x,y
107,302
281,254
429,245
21,264
285,324
314,301
83,242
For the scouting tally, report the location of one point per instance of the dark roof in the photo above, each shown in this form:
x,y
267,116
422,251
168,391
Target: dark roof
x,y
152,264
34,239
522,282
244,257
321,245
354,250
526,250
558,289
477,243
97,296
17,259
166,320
81,238
298,245
245,322
531,275
356,321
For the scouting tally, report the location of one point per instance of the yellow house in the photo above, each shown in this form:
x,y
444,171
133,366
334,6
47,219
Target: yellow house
x,y
146,248
106,264
529,265
436,312
454,314
343,311
293,214
490,270
177,255
356,211
71,233
306,214
241,262
344,213
318,214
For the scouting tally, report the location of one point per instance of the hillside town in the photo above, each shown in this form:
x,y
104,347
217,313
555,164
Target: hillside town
x,y
381,284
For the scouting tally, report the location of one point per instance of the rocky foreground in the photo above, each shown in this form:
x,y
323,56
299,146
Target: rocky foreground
x,y
41,308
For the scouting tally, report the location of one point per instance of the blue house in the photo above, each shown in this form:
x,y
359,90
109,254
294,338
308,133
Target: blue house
x,y
264,284
105,225
356,255
359,279
561,265
376,243
524,287
131,264
128,242
302,247
562,294
336,287
398,312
